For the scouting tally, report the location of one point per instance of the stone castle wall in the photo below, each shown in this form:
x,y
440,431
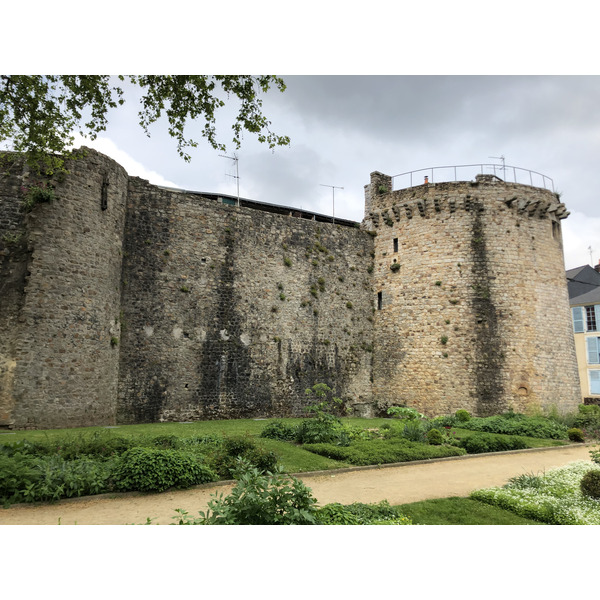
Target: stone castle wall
x,y
477,314
124,302
234,312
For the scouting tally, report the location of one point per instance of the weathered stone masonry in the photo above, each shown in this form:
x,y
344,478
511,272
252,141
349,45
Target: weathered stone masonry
x,y
124,302
476,315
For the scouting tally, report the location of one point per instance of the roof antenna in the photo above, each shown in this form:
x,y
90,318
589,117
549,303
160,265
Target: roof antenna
x,y
591,259
237,173
333,188
501,157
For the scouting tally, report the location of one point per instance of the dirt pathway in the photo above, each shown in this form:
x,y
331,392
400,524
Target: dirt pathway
x,y
410,482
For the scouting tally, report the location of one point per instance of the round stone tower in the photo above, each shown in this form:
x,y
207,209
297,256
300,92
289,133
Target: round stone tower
x,y
60,294
472,308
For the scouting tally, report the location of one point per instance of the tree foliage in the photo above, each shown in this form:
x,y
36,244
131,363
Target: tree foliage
x,y
40,113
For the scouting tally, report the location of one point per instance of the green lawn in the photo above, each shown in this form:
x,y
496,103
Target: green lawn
x,y
460,511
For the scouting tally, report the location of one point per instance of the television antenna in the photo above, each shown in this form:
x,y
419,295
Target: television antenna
x,y
501,157
591,259
333,188
237,173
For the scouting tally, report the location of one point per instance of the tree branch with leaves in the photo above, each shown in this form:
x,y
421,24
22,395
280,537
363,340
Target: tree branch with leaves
x,y
39,114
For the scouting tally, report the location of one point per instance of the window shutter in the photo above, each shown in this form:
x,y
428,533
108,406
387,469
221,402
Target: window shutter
x,y
592,350
578,325
594,381
597,311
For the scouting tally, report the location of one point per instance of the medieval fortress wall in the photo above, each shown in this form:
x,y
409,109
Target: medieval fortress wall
x,y
124,302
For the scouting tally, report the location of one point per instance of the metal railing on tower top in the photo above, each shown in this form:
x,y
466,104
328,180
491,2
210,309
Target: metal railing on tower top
x,y
507,173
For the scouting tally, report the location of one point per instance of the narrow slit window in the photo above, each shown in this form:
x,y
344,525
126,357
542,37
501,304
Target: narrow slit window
x,y
395,244
379,300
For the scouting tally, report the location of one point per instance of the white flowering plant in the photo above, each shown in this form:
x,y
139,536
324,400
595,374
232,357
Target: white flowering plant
x,y
553,497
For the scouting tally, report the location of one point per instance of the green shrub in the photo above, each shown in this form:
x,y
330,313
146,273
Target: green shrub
x,y
60,478
444,421
279,430
435,437
361,514
16,474
48,478
261,499
156,470
595,455
462,416
576,435
224,458
336,514
321,430
98,444
414,431
588,419
489,442
171,442
518,424
590,484
383,451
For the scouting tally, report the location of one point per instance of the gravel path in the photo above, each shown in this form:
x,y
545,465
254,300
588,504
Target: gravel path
x,y
409,482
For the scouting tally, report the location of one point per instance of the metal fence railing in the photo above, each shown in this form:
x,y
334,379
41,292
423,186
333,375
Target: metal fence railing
x,y
469,172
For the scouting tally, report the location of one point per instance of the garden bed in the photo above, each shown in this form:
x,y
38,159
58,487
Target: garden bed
x,y
47,466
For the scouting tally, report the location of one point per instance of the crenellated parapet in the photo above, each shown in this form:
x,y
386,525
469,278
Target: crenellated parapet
x,y
386,207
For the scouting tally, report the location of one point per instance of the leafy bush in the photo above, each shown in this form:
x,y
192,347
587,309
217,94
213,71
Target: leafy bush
x,y
382,451
595,455
444,421
224,458
590,484
321,430
588,419
361,514
156,470
49,478
16,474
166,441
518,424
278,430
575,435
462,415
336,514
259,499
435,437
489,442
97,444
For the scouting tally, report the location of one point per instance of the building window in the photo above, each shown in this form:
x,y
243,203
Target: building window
x,y
595,382
590,317
586,318
395,244
593,350
379,300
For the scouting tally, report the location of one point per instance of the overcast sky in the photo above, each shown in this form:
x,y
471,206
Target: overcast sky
x,y
344,127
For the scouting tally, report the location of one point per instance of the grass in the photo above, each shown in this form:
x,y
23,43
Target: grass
x,y
221,427
460,511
